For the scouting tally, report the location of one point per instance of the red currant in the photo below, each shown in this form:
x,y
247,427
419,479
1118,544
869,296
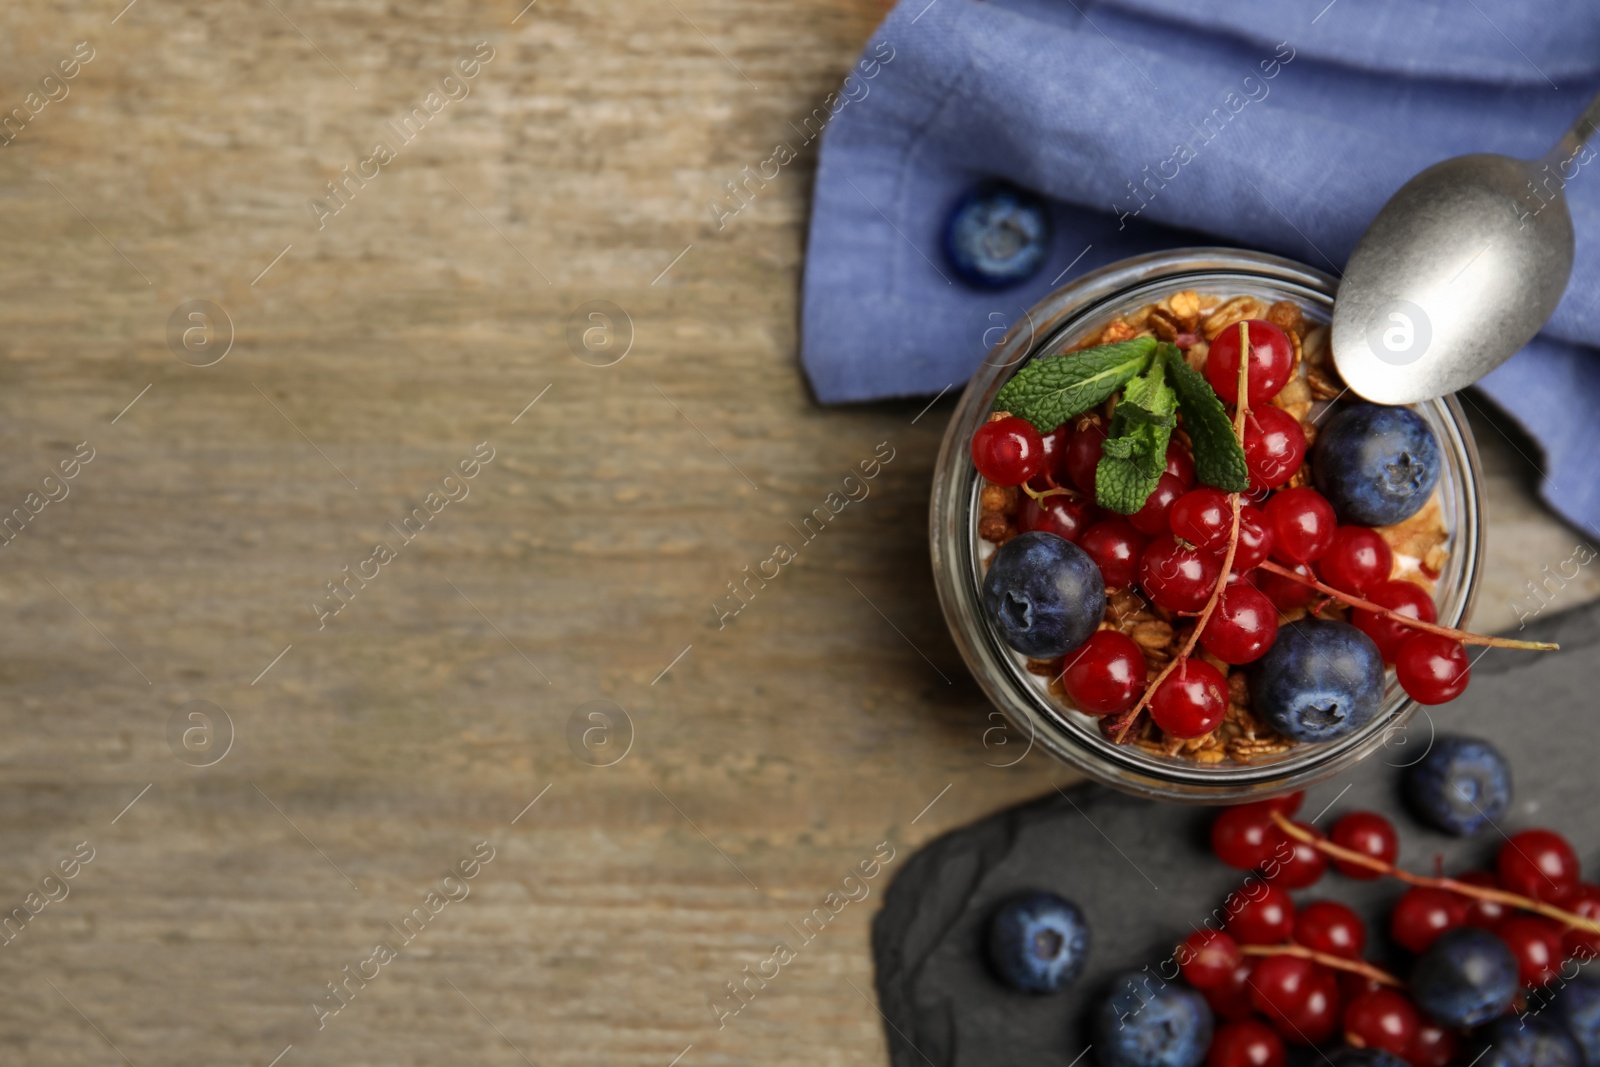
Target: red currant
x,y
1260,914
1208,958
1245,837
1357,559
1151,519
1246,1043
1106,674
1180,464
1257,493
1432,669
1116,549
1255,539
1055,451
1332,928
1008,451
1083,456
1402,598
1271,362
1315,1018
1231,999
1422,914
1485,914
1204,518
1382,1019
1301,999
1539,864
1296,864
1242,628
1585,903
1352,985
1536,944
1280,984
1302,523
1370,834
1058,514
1274,447
1286,594
1177,577
1433,1046
1191,701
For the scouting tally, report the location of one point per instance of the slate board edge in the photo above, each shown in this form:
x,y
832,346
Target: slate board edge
x,y
906,904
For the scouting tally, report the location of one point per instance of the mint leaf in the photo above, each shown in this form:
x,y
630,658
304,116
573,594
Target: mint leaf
x,y
1149,395
1049,391
1136,451
1218,459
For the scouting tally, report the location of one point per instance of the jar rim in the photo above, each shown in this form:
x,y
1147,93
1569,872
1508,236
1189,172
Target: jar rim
x,y
1093,297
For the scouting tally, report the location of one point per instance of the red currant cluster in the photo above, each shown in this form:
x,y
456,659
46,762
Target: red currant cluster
x,y
1280,972
1172,549
1356,561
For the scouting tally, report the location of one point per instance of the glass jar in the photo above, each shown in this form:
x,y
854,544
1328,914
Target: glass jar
x,y
1058,322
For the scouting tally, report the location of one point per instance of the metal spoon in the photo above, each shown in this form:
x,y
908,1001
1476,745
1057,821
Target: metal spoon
x,y
1458,271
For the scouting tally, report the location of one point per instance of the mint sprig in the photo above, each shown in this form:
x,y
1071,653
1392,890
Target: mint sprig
x,y
1136,451
1218,459
1156,384
1049,391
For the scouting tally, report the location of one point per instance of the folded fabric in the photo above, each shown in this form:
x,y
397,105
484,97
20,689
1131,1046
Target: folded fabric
x,y
1148,124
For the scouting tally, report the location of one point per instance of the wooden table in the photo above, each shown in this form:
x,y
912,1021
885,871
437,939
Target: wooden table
x,y
269,789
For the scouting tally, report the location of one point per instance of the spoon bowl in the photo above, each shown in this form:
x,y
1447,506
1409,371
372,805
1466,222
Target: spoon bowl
x,y
1458,271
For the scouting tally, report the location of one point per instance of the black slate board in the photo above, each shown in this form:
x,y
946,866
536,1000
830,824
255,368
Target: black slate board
x,y
1143,873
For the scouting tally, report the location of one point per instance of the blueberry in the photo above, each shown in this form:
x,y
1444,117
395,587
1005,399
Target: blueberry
x,y
1320,680
1044,594
1376,465
1365,1057
1577,1008
1145,1022
997,236
1525,1041
1466,977
1461,786
1038,942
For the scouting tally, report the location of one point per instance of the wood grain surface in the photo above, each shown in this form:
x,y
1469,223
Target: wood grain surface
x,y
354,759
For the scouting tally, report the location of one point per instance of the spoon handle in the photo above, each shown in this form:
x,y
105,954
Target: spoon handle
x,y
1579,134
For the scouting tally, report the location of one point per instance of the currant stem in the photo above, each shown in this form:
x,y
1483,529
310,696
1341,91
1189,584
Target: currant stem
x,y
1338,963
1449,885
1241,412
1039,494
1182,657
1433,628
